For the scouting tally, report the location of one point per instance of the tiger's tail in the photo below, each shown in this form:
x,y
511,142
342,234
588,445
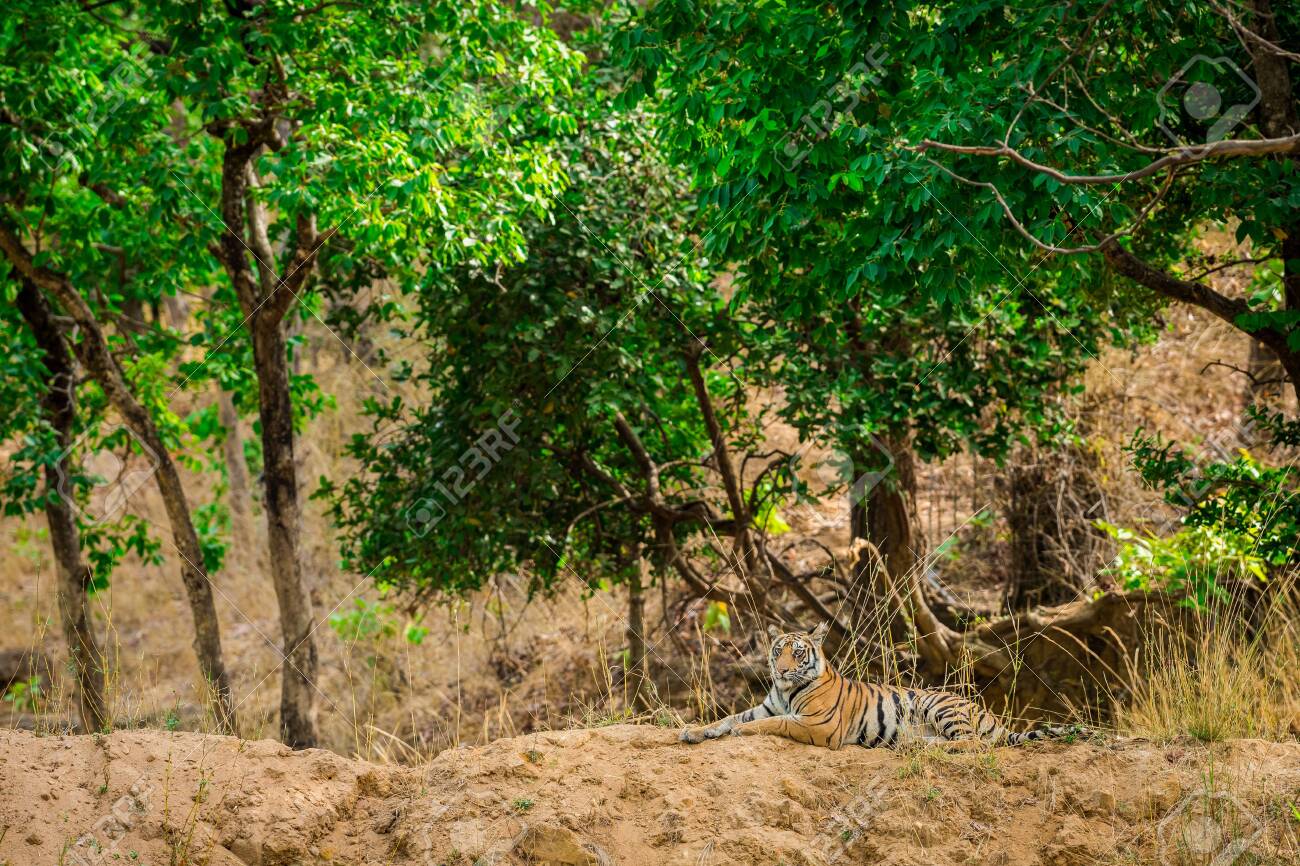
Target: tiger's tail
x,y
1047,732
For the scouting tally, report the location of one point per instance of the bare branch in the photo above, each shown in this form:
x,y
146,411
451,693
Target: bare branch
x,y
1246,34
1051,248
1092,25
1254,380
1226,149
1223,267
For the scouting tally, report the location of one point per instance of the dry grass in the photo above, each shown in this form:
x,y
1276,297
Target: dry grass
x,y
1219,678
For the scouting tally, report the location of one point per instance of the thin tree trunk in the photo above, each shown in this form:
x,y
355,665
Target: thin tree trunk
x,y
93,353
284,529
744,551
265,298
239,492
87,658
635,675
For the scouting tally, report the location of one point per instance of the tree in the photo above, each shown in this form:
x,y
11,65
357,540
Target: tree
x,y
1119,132
907,342
72,90
96,357
395,135
40,369
582,403
1103,133
320,186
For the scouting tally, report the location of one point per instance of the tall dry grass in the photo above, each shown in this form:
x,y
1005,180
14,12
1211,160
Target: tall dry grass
x,y
1228,672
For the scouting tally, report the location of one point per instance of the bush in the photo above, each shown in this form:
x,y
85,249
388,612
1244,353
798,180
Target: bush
x,y
1197,560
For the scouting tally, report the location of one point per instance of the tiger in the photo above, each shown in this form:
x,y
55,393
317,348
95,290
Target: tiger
x,y
812,704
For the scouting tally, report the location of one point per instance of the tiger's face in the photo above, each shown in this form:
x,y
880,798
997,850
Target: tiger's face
x,y
796,657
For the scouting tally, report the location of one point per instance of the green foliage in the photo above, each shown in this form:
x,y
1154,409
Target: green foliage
x,y
514,463
717,617
1241,498
915,313
26,696
408,127
1198,561
212,522
107,544
549,218
768,519
373,621
843,299
1240,518
366,621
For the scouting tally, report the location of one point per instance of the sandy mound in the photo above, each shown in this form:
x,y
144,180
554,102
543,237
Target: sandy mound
x,y
633,795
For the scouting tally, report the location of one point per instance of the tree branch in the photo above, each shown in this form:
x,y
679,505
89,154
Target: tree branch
x,y
1227,149
1165,283
719,441
1051,248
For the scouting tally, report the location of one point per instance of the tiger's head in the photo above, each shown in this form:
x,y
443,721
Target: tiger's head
x,y
796,657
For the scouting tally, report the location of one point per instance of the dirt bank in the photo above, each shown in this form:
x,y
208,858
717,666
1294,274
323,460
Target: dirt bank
x,y
632,795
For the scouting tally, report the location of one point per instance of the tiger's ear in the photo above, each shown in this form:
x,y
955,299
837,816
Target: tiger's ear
x,y
773,632
819,634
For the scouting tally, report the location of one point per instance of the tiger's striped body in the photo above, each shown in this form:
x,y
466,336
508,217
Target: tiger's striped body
x,y
810,703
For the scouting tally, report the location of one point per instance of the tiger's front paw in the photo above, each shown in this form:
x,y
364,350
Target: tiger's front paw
x,y
696,735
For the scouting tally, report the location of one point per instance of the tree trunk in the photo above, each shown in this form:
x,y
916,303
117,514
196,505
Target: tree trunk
x,y
239,494
883,513
635,675
265,298
744,551
1278,117
88,660
284,530
93,353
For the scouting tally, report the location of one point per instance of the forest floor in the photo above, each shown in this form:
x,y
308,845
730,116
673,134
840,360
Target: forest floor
x,y
633,795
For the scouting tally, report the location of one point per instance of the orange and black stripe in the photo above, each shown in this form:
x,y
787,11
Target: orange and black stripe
x,y
812,703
